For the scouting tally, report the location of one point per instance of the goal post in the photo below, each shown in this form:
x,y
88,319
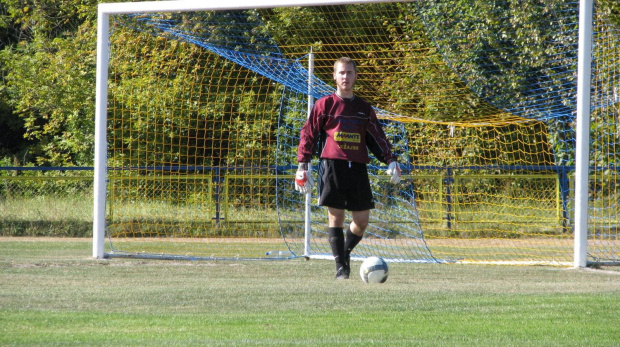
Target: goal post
x,y
199,107
582,162
105,10
101,166
308,202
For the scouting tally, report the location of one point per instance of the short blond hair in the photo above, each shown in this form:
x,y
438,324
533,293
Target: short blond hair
x,y
345,60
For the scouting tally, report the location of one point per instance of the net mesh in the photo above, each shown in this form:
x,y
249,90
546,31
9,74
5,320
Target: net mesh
x,y
478,99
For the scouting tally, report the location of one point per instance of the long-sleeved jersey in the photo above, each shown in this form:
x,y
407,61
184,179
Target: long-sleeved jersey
x,y
343,129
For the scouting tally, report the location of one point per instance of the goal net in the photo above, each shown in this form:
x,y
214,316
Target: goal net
x,y
204,110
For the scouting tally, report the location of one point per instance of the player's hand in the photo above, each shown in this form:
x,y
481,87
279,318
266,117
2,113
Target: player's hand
x,y
303,180
393,171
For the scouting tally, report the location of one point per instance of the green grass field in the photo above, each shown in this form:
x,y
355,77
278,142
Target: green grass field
x,y
53,293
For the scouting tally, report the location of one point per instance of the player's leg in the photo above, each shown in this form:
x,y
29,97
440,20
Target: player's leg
x,y
333,198
355,232
359,201
336,240
360,222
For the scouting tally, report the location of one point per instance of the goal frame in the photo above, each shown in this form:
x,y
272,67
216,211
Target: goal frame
x,y
105,10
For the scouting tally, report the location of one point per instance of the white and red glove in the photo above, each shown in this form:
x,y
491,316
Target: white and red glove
x,y
393,171
303,179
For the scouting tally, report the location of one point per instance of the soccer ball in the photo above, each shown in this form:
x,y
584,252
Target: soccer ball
x,y
374,270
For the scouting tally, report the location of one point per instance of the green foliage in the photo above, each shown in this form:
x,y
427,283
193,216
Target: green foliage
x,y
48,63
47,18
49,77
12,142
223,124
401,69
503,49
612,9
56,102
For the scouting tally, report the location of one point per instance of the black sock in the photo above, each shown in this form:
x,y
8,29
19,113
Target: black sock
x,y
350,243
336,241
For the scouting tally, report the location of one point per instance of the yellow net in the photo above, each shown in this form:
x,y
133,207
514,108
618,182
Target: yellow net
x,y
205,111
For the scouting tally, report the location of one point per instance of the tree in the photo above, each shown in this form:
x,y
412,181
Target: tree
x,y
612,9
48,62
49,77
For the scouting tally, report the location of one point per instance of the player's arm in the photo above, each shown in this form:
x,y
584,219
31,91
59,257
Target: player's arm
x,y
309,134
307,146
379,145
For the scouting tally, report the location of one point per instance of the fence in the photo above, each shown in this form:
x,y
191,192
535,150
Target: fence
x,y
451,202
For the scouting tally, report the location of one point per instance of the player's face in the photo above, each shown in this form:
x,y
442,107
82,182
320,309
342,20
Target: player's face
x,y
345,77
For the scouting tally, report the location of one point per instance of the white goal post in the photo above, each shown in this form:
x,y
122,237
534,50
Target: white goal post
x,y
582,161
105,10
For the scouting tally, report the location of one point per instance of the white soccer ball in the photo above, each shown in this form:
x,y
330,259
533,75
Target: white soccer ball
x,y
374,270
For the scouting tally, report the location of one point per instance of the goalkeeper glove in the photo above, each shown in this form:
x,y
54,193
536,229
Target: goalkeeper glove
x,y
303,179
394,171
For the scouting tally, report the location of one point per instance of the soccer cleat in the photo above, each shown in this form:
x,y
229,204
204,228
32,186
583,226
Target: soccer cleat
x,y
343,273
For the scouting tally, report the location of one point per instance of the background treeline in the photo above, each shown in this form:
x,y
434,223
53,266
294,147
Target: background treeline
x,y
47,60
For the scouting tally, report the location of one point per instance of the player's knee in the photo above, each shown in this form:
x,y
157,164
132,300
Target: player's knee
x,y
359,227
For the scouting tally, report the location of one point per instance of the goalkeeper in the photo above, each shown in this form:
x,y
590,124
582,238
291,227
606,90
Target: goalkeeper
x,y
344,127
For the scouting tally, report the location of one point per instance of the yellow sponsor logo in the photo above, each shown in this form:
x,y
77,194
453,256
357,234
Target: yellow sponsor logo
x,y
347,137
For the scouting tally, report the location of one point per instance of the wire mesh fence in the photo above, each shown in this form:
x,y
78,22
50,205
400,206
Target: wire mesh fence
x,y
46,202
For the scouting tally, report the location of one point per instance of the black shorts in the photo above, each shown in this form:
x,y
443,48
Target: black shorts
x,y
344,185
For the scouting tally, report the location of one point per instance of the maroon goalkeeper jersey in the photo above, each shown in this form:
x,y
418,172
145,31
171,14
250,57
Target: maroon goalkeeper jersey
x,y
343,129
